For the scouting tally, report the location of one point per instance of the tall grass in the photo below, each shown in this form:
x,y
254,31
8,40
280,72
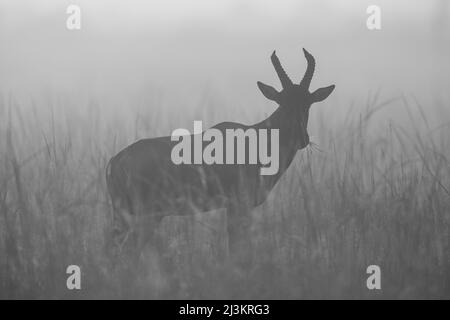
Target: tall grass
x,y
370,191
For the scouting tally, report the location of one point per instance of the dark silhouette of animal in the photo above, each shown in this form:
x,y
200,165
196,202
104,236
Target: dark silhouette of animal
x,y
143,182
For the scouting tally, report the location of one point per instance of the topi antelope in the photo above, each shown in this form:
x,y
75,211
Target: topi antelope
x,y
143,181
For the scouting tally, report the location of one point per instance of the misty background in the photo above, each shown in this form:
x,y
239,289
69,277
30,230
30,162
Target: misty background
x,y
129,52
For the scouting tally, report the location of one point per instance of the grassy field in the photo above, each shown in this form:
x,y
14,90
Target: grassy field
x,y
369,191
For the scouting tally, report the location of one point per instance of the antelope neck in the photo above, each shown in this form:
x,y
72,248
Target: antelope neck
x,y
289,128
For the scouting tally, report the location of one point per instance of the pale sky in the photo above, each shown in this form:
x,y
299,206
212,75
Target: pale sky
x,y
125,47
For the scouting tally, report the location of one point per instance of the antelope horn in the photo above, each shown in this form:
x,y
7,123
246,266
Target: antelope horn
x,y
306,81
282,75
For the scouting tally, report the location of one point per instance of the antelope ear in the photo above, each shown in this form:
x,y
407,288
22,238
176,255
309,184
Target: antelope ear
x,y
269,92
321,94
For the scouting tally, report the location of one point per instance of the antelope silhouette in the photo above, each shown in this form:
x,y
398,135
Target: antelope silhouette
x,y
143,181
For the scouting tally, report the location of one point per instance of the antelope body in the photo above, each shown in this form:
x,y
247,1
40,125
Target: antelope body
x,y
143,181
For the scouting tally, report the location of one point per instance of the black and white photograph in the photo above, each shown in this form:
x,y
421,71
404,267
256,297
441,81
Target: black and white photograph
x,y
242,151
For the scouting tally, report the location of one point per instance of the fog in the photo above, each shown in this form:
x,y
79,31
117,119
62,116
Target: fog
x,y
131,49
371,188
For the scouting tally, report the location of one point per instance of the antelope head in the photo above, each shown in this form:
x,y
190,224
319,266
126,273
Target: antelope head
x,y
295,99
